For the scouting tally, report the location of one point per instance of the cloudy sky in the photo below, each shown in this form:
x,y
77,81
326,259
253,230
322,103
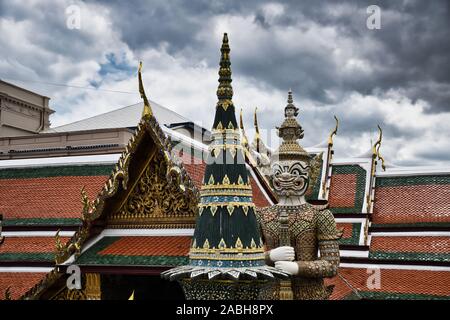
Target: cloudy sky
x,y
397,76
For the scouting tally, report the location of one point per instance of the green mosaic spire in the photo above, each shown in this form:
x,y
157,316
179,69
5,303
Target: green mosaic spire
x,y
226,230
227,239
225,114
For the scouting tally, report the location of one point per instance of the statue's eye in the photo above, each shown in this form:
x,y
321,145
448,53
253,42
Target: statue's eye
x,y
295,172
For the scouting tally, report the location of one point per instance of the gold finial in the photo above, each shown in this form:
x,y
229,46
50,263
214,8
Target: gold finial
x,y
225,91
147,111
257,135
59,247
290,99
244,141
8,293
333,133
376,148
87,205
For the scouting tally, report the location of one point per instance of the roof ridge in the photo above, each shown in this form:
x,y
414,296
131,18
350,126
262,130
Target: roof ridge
x,y
121,108
100,114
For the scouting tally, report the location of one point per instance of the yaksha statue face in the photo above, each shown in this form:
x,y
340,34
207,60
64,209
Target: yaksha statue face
x,y
290,177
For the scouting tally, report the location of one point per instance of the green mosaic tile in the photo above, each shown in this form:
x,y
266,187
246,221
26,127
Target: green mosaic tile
x,y
412,224
27,257
400,296
56,171
411,180
410,256
41,222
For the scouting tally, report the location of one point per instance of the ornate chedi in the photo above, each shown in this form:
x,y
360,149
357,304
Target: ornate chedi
x,y
293,229
227,256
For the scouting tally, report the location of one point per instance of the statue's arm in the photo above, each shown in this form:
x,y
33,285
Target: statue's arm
x,y
328,237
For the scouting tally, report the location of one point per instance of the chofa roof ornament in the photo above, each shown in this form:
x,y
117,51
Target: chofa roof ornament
x,y
147,111
227,243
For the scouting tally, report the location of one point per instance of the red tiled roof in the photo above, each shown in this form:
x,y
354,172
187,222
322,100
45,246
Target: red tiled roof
x,y
410,244
29,244
424,282
149,246
196,171
341,289
53,197
259,199
348,229
19,282
412,204
342,190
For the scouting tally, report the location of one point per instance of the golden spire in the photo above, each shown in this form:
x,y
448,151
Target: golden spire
x,y
244,140
334,132
376,148
257,138
147,111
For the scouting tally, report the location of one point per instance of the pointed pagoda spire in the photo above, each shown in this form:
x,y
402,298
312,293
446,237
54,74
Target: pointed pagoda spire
x,y
227,242
290,131
225,114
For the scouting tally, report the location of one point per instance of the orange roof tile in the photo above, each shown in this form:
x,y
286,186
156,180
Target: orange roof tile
x,y
342,190
19,282
425,282
411,244
149,246
259,199
412,204
348,229
29,244
53,197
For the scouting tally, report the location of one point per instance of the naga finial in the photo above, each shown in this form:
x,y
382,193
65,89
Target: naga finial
x,y
147,111
257,135
333,133
87,205
376,148
244,140
59,248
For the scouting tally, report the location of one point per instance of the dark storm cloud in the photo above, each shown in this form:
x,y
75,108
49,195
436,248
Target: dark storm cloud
x,y
411,48
321,49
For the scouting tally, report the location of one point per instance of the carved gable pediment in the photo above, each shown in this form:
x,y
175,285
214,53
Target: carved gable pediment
x,y
156,199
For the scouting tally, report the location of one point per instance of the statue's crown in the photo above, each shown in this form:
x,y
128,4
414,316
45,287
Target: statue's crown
x,y
290,131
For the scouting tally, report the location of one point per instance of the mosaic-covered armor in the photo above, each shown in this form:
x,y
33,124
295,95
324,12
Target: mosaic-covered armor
x,y
311,228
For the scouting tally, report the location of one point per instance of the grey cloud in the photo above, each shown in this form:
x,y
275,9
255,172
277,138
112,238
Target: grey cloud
x,y
412,44
409,54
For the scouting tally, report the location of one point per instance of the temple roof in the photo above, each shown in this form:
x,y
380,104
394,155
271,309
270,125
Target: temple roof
x,y
126,117
398,220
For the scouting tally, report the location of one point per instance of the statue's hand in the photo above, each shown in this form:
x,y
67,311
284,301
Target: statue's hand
x,y
287,266
282,254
